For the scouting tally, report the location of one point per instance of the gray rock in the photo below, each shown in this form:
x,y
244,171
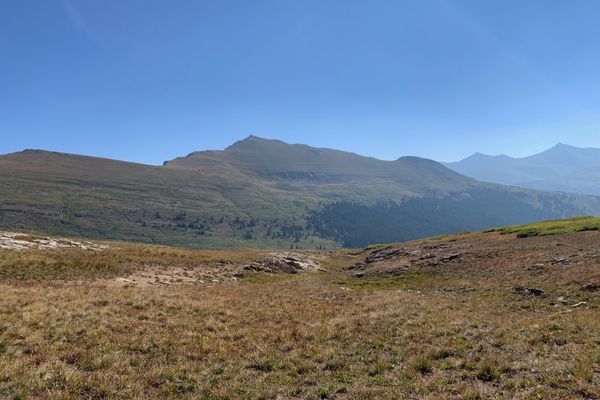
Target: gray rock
x,y
530,291
591,287
387,253
359,265
535,267
285,263
559,260
450,257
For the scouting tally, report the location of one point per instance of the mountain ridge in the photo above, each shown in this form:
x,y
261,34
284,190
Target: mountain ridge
x,y
560,168
261,193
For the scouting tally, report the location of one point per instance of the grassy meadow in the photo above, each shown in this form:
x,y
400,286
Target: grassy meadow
x,y
441,332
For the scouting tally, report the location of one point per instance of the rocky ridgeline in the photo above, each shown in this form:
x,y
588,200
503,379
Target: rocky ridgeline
x,y
20,241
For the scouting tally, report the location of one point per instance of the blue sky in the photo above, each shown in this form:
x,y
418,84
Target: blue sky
x,y
148,80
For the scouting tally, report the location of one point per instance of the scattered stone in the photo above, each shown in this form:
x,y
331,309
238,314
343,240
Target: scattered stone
x,y
591,287
561,301
530,291
559,260
359,265
399,270
581,303
386,254
450,257
359,275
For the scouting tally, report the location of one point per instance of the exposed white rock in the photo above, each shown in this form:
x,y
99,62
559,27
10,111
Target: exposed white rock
x,y
290,263
22,241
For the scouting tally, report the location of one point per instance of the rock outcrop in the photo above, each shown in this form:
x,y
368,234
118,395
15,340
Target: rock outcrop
x,y
285,263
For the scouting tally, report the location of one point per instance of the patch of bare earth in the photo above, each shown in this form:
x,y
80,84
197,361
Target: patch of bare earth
x,y
20,241
177,275
274,263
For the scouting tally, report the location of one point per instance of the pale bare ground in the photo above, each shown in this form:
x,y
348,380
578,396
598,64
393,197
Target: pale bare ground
x,y
191,271
174,275
171,275
23,241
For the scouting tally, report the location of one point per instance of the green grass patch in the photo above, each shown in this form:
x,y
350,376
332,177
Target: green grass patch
x,y
552,227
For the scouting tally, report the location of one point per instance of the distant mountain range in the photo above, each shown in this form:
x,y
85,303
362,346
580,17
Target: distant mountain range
x,y
261,193
562,168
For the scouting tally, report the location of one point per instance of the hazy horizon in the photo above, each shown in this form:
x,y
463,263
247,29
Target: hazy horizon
x,y
307,144
141,82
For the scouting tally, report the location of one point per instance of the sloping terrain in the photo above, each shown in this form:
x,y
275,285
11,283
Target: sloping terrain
x,y
561,168
470,316
557,261
261,193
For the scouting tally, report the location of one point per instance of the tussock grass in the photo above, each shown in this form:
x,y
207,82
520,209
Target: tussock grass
x,y
301,337
118,259
305,336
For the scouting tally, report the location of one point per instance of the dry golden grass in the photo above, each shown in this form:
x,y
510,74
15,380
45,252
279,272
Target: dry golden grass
x,y
117,260
429,335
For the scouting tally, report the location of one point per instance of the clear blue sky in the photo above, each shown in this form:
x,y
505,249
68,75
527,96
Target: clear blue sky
x,y
149,80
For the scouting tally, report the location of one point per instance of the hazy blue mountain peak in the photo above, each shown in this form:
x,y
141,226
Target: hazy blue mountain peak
x,y
562,167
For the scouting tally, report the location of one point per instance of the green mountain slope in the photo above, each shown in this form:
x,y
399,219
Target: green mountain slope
x,y
261,193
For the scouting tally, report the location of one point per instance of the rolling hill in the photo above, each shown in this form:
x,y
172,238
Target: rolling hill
x,y
561,168
261,193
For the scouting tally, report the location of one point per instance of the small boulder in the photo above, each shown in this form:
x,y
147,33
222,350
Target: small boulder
x,y
559,260
591,287
359,265
530,291
285,263
450,257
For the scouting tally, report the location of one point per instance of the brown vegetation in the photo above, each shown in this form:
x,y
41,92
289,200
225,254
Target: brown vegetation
x,y
404,329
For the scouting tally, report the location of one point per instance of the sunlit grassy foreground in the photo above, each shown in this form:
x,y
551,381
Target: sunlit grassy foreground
x,y
448,331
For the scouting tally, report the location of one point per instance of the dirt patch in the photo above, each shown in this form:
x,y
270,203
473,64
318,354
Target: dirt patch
x,y
177,275
275,263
